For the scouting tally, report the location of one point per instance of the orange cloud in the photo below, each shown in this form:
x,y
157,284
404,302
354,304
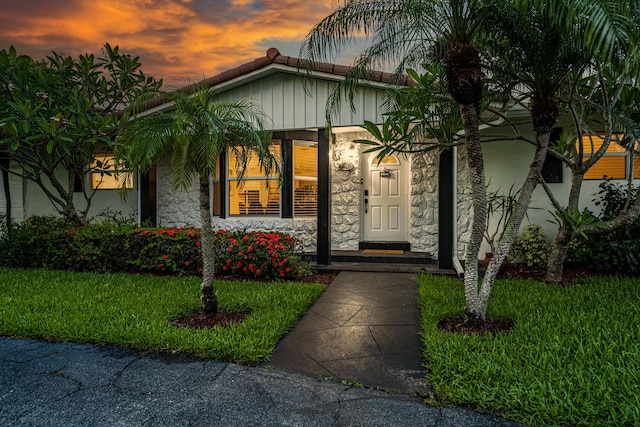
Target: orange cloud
x,y
175,39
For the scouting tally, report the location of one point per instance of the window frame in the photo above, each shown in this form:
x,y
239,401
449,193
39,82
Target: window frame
x,y
285,189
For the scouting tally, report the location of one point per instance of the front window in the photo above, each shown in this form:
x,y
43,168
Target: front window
x,y
103,176
256,193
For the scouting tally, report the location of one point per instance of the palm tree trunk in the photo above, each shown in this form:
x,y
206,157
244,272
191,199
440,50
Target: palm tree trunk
x,y
475,162
209,299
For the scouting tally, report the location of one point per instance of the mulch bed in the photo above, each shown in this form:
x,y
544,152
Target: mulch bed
x,y
459,325
569,276
202,321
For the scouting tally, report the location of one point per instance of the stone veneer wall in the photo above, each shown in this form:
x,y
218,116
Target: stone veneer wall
x,y
424,203
175,208
345,191
464,202
303,228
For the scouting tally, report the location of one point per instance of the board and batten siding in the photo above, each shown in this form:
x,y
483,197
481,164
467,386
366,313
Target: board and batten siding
x,y
290,105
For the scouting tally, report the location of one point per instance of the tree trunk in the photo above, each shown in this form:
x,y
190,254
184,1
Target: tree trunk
x,y
560,245
559,249
519,211
4,165
208,297
475,162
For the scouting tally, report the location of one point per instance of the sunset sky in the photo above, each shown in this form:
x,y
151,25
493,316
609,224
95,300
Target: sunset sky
x,y
177,40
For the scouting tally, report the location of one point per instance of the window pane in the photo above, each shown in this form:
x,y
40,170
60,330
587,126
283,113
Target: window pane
x,y
252,197
389,159
597,140
305,197
103,177
636,167
305,159
216,176
305,182
609,166
253,165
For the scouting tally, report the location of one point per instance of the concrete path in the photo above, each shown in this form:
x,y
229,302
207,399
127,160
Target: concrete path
x,y
47,384
365,329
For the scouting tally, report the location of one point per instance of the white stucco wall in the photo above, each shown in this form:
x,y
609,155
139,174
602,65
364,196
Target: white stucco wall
x,y
507,163
28,199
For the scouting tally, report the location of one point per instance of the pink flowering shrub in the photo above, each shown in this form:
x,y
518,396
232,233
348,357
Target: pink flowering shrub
x,y
269,255
111,247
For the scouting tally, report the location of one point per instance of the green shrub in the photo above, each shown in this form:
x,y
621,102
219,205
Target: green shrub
x,y
614,252
26,243
167,250
530,248
111,246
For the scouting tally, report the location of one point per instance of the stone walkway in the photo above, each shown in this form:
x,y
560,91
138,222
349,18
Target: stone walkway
x,y
364,329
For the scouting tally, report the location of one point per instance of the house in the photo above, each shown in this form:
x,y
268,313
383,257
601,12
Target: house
x,y
333,195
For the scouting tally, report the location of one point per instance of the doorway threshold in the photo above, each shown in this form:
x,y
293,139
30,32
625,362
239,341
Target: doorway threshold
x,y
397,246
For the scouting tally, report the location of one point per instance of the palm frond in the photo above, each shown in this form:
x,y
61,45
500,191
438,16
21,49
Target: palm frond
x,y
196,133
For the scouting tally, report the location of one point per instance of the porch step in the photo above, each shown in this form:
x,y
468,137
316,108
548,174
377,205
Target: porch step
x,y
408,262
336,267
407,257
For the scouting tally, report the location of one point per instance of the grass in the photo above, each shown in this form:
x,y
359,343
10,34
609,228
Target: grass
x,y
136,311
572,358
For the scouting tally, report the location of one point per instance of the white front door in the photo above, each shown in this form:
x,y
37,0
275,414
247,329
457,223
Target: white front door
x,y
385,198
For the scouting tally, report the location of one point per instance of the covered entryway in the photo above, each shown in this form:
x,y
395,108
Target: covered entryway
x,y
385,198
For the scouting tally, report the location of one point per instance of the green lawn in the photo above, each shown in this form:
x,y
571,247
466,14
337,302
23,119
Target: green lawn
x,y
572,358
137,311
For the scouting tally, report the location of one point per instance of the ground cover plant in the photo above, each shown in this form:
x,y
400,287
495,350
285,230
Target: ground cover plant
x,y
571,358
138,310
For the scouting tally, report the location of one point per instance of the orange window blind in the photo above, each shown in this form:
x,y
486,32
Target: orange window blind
x,y
609,166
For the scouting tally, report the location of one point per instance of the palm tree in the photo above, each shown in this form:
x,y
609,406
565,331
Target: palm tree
x,y
410,33
196,133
